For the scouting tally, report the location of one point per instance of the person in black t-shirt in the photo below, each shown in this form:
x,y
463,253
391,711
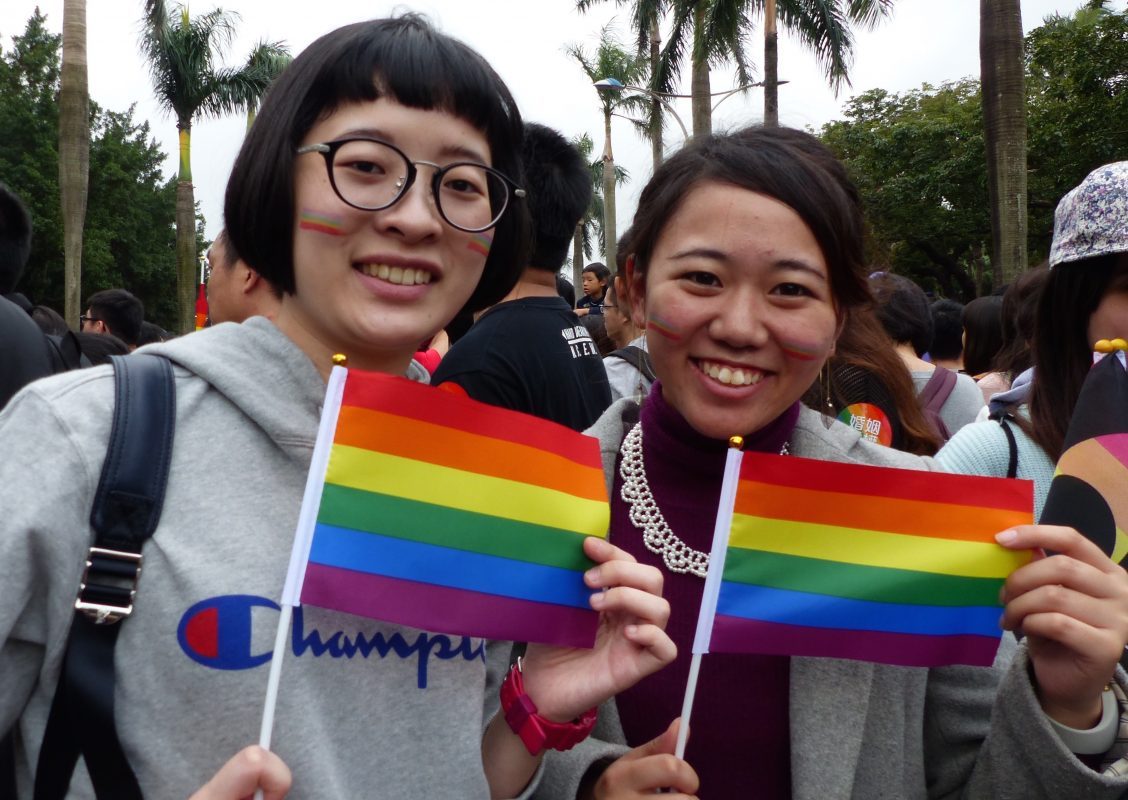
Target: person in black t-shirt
x,y
530,352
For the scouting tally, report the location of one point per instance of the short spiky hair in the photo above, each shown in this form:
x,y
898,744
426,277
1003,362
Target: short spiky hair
x,y
15,239
902,307
404,59
559,191
121,312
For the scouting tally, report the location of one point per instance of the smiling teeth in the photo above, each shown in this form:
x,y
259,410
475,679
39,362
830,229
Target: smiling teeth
x,y
731,376
402,276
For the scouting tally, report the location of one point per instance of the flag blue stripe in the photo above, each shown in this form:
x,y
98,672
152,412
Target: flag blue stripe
x,y
444,566
823,611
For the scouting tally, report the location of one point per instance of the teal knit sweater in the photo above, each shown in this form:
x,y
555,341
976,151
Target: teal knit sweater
x,y
981,449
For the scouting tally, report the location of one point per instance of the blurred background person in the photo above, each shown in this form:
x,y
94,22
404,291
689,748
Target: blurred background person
x,y
950,400
947,334
983,339
235,291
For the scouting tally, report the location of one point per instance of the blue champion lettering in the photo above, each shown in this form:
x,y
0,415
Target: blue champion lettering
x,y
216,633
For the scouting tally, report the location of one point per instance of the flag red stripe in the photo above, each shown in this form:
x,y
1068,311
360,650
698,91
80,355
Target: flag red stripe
x,y
862,479
416,401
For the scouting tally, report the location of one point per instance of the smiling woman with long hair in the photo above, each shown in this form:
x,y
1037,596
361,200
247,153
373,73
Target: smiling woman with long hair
x,y
747,264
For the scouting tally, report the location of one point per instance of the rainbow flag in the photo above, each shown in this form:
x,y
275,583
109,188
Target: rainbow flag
x,y
442,513
851,561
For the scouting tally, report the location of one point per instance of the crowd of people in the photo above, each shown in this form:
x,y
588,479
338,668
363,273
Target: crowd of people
x,y
390,201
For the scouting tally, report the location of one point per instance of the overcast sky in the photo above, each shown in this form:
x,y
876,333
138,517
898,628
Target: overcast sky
x,y
925,41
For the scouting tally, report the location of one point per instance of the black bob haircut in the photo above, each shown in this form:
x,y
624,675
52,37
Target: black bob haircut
x,y
559,192
788,165
402,59
947,329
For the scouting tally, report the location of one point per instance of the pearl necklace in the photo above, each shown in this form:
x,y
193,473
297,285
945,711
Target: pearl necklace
x,y
645,515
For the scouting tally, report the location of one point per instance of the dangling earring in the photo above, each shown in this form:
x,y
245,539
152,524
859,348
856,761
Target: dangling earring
x,y
824,379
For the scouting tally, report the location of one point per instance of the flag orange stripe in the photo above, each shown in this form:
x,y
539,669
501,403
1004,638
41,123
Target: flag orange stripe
x,y
404,398
865,512
451,447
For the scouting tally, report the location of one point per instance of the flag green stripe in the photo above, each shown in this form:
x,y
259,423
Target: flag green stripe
x,y
396,517
858,581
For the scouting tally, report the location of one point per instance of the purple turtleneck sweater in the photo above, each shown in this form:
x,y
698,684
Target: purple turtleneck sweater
x,y
739,735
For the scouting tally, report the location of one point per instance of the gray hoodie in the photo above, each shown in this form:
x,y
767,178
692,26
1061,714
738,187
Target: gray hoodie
x,y
365,708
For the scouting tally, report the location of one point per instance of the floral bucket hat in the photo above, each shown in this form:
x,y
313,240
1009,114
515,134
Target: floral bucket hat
x,y
1092,219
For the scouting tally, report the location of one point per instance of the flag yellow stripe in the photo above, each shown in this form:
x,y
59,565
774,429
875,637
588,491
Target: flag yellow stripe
x,y
875,548
467,491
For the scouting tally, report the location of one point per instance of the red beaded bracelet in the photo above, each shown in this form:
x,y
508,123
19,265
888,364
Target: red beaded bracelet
x,y
537,733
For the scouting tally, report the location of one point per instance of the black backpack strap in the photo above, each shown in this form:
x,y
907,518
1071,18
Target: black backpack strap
x,y
1012,448
127,507
637,358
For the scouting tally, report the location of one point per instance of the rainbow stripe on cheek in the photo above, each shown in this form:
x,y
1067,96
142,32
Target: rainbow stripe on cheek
x,y
481,244
659,325
321,222
800,352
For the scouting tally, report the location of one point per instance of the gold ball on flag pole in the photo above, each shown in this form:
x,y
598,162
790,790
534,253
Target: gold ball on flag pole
x,y
340,360
736,442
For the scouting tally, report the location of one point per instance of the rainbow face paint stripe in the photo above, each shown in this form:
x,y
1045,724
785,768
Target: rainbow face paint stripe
x,y
321,222
800,352
667,329
480,244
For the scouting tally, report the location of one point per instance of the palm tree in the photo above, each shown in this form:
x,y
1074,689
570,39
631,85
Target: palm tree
x,y
611,60
821,25
712,32
183,55
74,152
1002,77
589,230
646,17
269,62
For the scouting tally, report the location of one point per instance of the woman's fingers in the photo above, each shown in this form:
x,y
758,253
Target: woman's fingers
x,y
1060,570
616,567
632,603
1057,539
249,770
647,769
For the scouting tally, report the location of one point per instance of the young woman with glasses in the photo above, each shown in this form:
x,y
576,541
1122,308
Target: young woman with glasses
x,y
379,190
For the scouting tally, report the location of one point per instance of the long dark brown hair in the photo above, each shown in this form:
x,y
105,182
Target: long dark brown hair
x,y
1062,351
865,347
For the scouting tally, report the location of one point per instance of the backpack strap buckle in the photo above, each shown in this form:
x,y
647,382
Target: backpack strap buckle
x,y
109,584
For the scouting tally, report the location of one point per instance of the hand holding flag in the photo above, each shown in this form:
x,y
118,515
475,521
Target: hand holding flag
x,y
630,641
1073,608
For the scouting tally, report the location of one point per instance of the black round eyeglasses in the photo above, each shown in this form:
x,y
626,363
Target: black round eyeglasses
x,y
372,175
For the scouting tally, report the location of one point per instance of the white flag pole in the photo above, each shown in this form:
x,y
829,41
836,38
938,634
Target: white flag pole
x,y
713,577
303,539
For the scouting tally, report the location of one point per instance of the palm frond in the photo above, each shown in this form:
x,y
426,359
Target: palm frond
x,y
673,52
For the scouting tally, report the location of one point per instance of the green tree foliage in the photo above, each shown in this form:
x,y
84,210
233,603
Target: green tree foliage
x,y
184,56
918,156
611,60
129,239
1077,85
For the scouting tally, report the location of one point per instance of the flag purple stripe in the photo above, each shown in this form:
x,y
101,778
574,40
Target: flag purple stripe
x,y
444,610
737,635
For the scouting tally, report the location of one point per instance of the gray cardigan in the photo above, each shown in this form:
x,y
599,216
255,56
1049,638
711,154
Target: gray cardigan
x,y
864,731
